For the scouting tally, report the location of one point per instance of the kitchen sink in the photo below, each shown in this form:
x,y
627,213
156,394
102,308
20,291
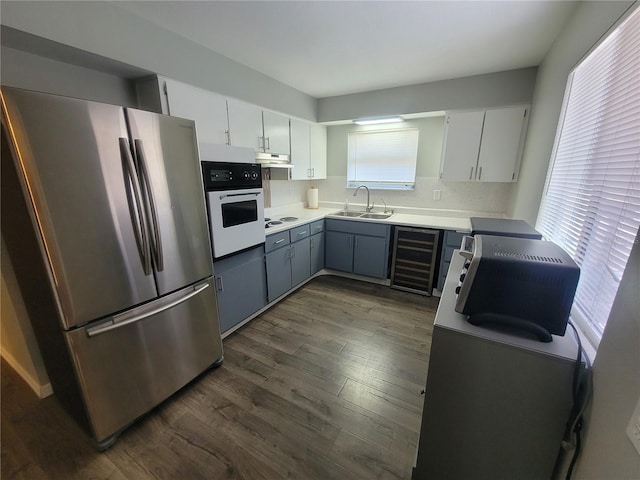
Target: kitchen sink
x,y
348,213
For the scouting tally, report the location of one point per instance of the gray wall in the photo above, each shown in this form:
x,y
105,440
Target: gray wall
x,y
590,21
106,30
477,92
608,452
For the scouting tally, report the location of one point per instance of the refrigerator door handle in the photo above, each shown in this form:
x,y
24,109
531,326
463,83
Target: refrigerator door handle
x,y
117,323
137,215
156,239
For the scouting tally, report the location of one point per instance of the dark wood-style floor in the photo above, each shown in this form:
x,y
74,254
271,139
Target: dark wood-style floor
x,y
325,385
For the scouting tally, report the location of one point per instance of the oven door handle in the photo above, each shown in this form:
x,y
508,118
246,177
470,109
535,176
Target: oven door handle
x,y
225,195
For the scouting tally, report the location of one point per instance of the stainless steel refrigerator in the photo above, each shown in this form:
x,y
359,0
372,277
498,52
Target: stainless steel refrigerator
x,y
103,214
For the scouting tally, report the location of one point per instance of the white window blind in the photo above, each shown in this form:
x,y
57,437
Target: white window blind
x,y
383,158
591,201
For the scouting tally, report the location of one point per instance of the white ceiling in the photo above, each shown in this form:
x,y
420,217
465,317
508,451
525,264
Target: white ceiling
x,y
327,48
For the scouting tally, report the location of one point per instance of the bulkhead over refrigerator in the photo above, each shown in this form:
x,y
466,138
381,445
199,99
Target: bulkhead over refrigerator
x,y
104,217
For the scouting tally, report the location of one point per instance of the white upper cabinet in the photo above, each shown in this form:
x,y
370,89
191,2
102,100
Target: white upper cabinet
x,y
245,125
300,150
318,151
262,130
461,143
276,132
226,121
502,137
308,150
483,146
171,97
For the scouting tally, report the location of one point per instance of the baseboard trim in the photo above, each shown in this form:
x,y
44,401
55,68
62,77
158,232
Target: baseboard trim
x,y
42,391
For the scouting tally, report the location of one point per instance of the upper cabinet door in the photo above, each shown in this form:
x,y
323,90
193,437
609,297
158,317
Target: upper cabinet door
x,y
461,144
245,125
300,150
276,133
169,166
207,109
81,186
318,151
501,143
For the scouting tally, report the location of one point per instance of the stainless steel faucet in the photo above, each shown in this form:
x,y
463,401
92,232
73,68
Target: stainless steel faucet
x,y
369,208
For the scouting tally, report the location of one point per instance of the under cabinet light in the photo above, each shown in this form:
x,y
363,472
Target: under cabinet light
x,y
375,120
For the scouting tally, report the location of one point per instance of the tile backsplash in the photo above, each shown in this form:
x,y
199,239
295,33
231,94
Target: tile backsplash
x,y
464,196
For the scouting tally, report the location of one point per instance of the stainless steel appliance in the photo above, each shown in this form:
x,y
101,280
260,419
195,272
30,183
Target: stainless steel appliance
x,y
104,218
236,206
517,283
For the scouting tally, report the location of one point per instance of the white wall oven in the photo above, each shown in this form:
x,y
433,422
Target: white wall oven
x,y
235,205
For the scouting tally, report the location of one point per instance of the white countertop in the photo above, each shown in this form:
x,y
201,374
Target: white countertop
x,y
306,215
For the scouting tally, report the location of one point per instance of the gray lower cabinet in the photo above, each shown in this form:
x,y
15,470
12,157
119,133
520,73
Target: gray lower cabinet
x,y
300,261
451,241
317,243
317,252
288,260
241,287
339,251
357,247
278,272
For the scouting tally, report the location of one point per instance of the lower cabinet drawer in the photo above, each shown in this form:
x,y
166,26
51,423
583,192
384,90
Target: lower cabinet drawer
x,y
276,240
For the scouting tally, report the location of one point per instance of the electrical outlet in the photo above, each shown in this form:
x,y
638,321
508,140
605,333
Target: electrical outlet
x,y
633,430
436,194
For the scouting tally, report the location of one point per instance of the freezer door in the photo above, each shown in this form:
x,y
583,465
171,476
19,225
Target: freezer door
x,y
167,157
71,157
129,364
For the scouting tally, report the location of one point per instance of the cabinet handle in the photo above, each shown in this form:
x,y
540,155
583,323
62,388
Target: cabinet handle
x,y
278,241
471,174
227,136
480,174
302,233
268,145
219,284
292,252
318,228
313,173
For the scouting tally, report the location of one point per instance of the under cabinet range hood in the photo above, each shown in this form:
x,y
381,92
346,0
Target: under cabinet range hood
x,y
273,160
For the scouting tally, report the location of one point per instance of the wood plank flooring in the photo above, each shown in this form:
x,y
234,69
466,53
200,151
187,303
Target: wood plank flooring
x,y
324,385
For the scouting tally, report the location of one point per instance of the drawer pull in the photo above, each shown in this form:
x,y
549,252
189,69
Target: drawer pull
x,y
278,241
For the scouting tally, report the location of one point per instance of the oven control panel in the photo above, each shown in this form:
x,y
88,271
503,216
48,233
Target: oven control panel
x,y
230,176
